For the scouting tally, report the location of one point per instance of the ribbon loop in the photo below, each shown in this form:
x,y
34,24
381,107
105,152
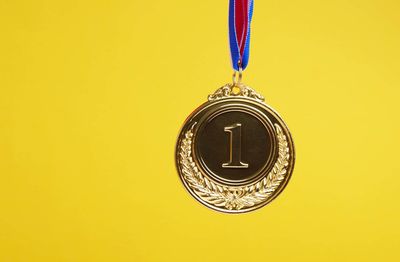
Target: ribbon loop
x,y
240,14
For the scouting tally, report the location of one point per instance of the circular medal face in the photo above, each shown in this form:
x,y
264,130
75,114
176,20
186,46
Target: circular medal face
x,y
234,153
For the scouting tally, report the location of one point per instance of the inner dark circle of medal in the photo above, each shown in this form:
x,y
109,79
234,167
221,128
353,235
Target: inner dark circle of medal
x,y
235,146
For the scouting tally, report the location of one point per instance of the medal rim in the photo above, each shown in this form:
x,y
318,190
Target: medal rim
x,y
291,161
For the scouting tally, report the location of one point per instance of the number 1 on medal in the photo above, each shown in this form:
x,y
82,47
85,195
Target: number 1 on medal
x,y
235,148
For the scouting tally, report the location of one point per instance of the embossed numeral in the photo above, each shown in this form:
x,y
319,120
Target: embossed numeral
x,y
235,149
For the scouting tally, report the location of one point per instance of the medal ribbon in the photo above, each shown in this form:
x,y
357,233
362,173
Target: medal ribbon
x,y
240,14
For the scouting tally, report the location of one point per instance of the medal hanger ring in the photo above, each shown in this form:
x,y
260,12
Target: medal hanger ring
x,y
237,76
236,87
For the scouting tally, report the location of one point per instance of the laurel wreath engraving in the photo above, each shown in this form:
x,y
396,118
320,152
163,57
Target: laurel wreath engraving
x,y
233,198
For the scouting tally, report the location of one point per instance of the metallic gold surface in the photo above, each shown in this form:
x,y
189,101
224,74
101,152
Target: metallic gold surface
x,y
234,153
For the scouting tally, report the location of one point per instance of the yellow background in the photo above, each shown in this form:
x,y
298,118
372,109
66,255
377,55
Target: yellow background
x,y
92,97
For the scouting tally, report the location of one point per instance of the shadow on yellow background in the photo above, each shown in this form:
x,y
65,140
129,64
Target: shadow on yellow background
x,y
92,97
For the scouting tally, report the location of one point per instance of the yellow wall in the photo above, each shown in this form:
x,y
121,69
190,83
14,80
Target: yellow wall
x,y
92,97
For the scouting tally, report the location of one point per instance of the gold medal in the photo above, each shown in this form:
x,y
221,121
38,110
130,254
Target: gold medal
x,y
234,153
